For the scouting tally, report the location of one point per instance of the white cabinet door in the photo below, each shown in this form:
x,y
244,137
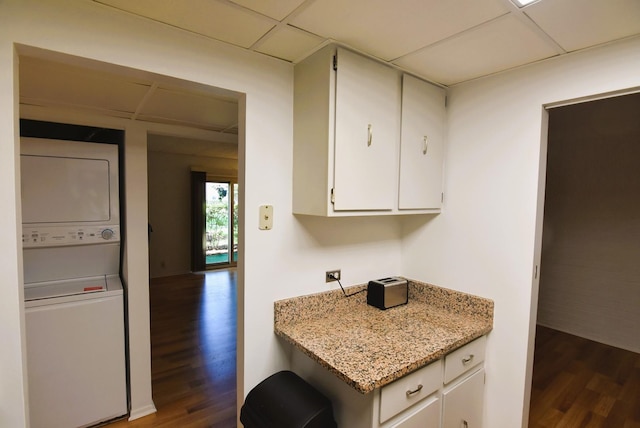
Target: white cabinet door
x,y
463,403
366,134
426,416
421,145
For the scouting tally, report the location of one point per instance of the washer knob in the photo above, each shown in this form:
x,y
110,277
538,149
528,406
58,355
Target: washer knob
x,y
107,234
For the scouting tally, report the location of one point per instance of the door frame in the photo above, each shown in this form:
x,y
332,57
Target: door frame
x,y
537,253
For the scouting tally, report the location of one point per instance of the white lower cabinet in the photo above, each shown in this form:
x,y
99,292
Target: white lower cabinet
x,y
463,402
447,393
463,393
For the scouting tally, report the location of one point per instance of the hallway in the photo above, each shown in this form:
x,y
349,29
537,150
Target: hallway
x,y
193,347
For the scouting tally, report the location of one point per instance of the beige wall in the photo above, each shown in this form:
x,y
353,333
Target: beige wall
x,y
286,261
170,207
590,271
488,239
485,241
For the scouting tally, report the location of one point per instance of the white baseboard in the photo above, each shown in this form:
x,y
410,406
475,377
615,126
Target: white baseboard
x,y
143,411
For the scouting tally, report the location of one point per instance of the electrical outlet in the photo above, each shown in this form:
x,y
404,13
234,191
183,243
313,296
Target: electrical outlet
x,y
332,275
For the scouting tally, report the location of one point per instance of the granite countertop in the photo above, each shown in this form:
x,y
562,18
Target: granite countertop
x,y
367,347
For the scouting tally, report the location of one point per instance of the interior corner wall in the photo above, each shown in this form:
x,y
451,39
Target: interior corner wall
x,y
170,208
484,242
590,275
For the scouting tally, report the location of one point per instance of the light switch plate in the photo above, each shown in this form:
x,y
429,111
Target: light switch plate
x,y
266,217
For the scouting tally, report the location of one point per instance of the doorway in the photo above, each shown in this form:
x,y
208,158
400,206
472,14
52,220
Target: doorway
x,y
589,287
118,97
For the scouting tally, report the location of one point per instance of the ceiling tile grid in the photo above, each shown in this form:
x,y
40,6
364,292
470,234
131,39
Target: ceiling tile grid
x,y
443,41
479,52
276,9
579,24
223,21
447,41
389,30
288,43
53,84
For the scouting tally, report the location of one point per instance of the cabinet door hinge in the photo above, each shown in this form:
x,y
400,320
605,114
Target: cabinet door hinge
x,y
333,197
442,197
335,62
446,100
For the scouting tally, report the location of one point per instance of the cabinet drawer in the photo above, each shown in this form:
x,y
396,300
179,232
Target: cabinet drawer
x,y
463,359
426,416
410,389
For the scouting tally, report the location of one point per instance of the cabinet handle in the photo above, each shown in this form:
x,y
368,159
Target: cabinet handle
x,y
467,359
415,391
425,146
465,424
369,135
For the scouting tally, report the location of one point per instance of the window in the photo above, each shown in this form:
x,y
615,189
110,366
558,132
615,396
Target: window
x,y
221,223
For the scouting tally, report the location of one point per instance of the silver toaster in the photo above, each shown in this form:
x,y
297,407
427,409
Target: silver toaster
x,y
386,293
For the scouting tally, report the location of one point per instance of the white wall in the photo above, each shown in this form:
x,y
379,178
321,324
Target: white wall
x,y
286,261
486,241
170,208
12,358
590,275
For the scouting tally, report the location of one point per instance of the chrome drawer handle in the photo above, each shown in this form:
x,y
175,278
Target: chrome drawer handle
x,y
415,391
369,135
425,146
468,359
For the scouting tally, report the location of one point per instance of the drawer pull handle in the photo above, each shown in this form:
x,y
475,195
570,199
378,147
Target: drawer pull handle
x,y
369,135
425,146
465,424
415,391
467,359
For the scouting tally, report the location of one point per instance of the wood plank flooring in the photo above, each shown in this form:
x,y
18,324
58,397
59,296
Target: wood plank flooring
x,y
578,383
193,348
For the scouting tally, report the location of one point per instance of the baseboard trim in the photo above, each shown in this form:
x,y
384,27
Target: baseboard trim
x,y
141,412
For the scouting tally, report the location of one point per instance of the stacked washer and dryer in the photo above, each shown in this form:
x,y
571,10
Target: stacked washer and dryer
x,y
74,303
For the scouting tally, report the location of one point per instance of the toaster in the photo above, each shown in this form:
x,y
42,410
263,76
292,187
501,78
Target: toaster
x,y
388,292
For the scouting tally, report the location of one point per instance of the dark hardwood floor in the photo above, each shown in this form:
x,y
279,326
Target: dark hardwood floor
x,y
578,383
193,348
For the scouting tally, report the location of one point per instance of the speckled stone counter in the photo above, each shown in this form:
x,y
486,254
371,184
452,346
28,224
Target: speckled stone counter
x,y
367,347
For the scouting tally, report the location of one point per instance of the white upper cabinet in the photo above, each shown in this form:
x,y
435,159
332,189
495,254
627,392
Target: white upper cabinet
x,y
366,135
421,145
346,157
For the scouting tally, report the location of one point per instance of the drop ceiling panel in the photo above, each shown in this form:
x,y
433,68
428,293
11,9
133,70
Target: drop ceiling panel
x,y
499,45
215,19
181,107
289,43
49,83
577,24
389,30
276,9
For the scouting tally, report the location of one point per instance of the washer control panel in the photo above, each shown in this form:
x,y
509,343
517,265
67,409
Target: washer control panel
x,y
68,235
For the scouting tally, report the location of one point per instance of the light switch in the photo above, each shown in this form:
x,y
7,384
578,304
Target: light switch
x,y
266,217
